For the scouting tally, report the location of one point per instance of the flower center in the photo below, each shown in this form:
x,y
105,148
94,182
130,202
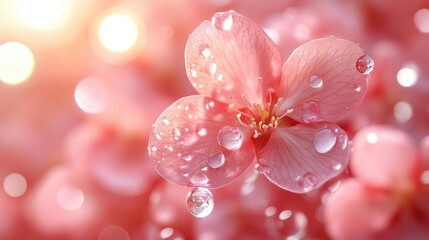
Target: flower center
x,y
261,117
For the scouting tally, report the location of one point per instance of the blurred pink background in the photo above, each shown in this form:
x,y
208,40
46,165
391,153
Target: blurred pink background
x,y
81,83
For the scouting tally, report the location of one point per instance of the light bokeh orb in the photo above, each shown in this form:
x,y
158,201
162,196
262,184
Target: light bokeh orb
x,y
16,63
117,35
44,14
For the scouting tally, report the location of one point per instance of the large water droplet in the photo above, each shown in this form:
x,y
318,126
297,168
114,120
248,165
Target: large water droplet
x,y
230,138
200,202
310,112
204,50
315,81
215,159
365,64
307,181
222,21
324,140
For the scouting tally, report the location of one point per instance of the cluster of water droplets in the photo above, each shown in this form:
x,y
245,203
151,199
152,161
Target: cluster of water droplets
x,y
222,21
311,110
200,202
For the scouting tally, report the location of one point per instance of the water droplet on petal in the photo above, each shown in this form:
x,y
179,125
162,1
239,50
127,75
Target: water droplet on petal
x,y
324,140
176,133
200,202
357,88
166,121
337,166
230,138
365,64
257,169
216,159
153,149
187,157
343,141
315,81
204,50
212,69
222,21
310,112
193,73
307,181
201,131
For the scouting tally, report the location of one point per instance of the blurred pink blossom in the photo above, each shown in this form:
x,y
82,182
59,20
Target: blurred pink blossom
x,y
387,197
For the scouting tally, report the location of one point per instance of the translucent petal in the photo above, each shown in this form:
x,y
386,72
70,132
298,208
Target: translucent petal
x,y
323,71
184,144
303,157
226,57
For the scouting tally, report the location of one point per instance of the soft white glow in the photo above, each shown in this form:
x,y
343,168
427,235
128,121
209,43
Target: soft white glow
x,y
403,111
273,34
166,233
285,214
15,185
424,178
407,76
16,63
44,14
302,32
70,197
421,20
372,137
118,32
92,95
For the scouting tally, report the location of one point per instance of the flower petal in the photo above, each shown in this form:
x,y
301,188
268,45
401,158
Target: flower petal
x,y
186,146
321,81
303,157
356,212
225,57
384,157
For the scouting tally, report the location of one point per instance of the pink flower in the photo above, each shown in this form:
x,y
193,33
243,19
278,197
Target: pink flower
x,y
252,105
387,198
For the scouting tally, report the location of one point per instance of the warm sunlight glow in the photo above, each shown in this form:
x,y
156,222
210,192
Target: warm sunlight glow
x,y
16,63
118,32
44,14
117,35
